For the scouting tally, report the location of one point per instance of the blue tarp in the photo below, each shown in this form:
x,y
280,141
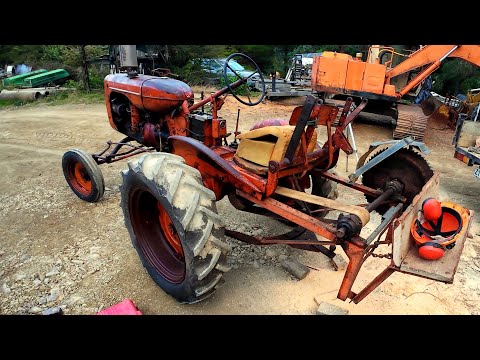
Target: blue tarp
x,y
425,92
22,69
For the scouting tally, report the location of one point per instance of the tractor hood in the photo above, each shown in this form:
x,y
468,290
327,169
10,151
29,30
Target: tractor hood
x,y
151,93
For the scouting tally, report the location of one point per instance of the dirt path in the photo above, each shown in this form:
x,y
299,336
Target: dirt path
x,y
59,251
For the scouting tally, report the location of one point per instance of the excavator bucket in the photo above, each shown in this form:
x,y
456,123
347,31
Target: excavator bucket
x,y
430,105
439,112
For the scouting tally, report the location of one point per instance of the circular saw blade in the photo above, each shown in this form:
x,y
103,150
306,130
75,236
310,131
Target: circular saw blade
x,y
406,166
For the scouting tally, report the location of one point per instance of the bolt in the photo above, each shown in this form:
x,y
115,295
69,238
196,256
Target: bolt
x,y
341,232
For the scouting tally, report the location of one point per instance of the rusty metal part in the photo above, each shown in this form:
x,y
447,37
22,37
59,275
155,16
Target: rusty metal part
x,y
135,118
345,111
212,97
357,257
289,213
393,189
114,155
406,166
290,238
149,135
355,253
382,256
348,183
356,298
411,122
338,140
214,168
296,232
348,226
351,116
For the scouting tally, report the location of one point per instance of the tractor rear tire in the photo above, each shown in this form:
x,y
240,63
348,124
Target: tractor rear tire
x,y
174,226
325,187
83,175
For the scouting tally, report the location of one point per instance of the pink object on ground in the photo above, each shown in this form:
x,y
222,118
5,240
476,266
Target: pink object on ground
x,y
126,307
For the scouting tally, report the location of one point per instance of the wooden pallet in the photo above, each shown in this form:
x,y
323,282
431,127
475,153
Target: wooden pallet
x,y
405,251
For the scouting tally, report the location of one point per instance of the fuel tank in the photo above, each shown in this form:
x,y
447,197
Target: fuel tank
x,y
150,93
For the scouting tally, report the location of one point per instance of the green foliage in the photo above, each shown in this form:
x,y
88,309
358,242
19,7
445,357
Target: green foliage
x,y
193,74
180,55
455,76
18,54
241,90
71,84
263,55
68,55
95,51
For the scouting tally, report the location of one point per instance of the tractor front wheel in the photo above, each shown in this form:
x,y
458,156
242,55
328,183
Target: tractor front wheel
x,y
83,175
174,226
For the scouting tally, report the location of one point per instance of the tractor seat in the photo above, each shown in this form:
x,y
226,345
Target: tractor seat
x,y
258,147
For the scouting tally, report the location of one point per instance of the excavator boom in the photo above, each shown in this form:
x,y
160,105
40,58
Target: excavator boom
x,y
431,53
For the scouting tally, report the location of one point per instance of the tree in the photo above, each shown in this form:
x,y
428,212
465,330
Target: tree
x,y
18,54
455,76
85,79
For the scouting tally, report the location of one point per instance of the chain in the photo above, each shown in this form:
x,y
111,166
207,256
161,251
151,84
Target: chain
x,y
386,256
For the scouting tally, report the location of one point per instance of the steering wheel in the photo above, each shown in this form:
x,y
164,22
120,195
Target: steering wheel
x,y
250,102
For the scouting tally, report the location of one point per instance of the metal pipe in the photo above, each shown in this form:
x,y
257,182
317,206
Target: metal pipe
x,y
20,95
354,145
386,221
217,94
128,56
375,203
448,54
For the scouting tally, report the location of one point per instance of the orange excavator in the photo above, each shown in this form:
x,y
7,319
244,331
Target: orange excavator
x,y
384,84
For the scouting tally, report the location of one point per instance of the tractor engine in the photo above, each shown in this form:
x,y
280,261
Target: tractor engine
x,y
145,107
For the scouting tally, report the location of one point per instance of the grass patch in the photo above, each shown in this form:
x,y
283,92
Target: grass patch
x,y
74,97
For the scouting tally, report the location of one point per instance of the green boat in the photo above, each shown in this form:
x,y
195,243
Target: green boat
x,y
17,80
49,77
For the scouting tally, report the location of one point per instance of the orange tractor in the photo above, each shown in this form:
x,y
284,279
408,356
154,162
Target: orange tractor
x,y
168,194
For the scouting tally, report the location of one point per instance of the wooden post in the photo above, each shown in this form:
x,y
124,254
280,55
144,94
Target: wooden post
x,y
85,77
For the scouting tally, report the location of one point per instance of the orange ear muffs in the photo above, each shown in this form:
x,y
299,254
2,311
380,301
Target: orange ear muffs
x,y
431,251
432,209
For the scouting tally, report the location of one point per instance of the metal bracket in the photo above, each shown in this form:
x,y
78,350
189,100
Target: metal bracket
x,y
387,219
398,144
